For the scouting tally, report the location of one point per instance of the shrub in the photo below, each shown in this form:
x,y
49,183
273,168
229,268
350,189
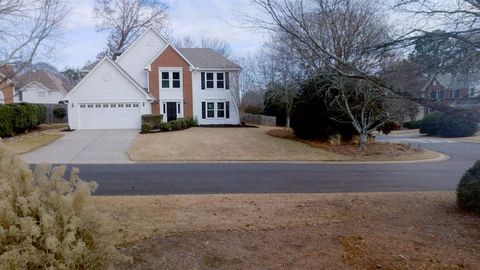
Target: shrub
x,y
412,124
21,117
153,120
458,123
468,190
179,123
165,126
429,124
7,113
192,122
47,222
388,127
59,113
146,127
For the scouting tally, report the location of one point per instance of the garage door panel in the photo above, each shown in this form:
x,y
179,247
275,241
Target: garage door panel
x,y
109,116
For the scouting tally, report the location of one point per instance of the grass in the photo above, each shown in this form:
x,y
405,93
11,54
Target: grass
x,y
418,230
25,143
243,144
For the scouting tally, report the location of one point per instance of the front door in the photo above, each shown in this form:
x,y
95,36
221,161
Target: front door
x,y
171,111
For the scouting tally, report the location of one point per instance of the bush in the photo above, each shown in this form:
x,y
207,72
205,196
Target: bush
x,y
458,123
7,113
153,120
59,113
311,117
412,124
165,126
20,117
468,190
47,222
429,124
146,127
180,123
192,122
388,127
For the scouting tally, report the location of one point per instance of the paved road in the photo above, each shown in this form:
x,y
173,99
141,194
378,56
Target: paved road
x,y
197,178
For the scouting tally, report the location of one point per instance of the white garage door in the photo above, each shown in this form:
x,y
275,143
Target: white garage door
x,y
109,116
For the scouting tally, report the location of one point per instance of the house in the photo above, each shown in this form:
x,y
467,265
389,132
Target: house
x,y
6,85
38,86
153,76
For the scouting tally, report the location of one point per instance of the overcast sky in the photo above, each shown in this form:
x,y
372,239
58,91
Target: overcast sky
x,y
209,18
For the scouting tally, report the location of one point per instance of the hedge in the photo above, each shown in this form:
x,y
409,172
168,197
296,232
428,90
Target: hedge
x,y
458,123
429,124
59,113
412,124
468,190
17,118
151,123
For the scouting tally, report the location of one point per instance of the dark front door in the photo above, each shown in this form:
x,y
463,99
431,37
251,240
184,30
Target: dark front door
x,y
171,111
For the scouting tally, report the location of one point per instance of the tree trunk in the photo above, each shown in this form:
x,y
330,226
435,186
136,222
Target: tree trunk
x,y
363,141
288,121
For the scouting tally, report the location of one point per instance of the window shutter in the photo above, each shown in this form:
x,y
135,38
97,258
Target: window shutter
x,y
227,109
203,80
203,109
227,80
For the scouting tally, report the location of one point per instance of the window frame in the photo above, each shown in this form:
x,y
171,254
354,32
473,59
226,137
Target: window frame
x,y
214,81
170,72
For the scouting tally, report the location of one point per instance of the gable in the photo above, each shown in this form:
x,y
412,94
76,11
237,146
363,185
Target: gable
x,y
136,57
35,86
106,82
169,57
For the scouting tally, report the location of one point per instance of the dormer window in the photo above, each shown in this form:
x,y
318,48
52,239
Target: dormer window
x,y
170,79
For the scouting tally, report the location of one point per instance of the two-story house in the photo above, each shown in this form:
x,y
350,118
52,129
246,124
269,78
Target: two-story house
x,y
152,76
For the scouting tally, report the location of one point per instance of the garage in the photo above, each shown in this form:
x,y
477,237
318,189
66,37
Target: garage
x,y
109,116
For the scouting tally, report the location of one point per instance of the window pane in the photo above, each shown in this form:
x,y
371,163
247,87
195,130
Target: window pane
x,y
165,75
220,105
209,84
210,105
220,84
165,84
176,75
210,114
220,76
209,76
221,113
176,84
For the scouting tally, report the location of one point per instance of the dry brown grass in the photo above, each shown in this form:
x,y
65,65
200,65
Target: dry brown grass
x,y
223,144
25,143
254,144
296,231
374,152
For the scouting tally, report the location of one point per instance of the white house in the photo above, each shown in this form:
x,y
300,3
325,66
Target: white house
x,y
152,76
38,86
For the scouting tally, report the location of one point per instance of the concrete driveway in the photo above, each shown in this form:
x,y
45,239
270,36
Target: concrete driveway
x,y
86,146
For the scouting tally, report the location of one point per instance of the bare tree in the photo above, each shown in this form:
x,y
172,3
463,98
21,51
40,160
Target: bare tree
x,y
40,23
126,19
219,46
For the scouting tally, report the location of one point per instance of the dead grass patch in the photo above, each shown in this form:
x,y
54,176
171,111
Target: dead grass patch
x,y
25,143
420,230
374,152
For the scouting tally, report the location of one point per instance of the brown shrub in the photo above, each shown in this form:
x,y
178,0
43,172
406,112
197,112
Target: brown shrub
x,y
48,222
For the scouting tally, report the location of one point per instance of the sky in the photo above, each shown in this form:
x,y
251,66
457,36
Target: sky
x,y
218,19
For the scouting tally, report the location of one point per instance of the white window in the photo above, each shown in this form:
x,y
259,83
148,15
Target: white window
x,y
170,79
220,109
216,109
214,80
210,109
98,106
210,81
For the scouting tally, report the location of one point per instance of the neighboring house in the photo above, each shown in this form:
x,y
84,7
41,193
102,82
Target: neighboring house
x,y
6,85
38,86
451,89
152,76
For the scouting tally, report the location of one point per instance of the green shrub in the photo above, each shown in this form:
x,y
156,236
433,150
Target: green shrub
x,y
412,124
388,127
7,113
180,123
146,127
153,120
164,126
429,124
47,222
468,190
59,113
192,122
458,123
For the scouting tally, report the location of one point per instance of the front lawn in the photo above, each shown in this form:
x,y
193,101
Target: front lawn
x,y
28,142
249,144
422,230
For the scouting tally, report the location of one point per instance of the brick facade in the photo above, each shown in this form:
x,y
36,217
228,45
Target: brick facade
x,y
7,92
170,58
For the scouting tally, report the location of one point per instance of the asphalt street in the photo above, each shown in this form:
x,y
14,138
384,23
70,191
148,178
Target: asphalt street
x,y
216,178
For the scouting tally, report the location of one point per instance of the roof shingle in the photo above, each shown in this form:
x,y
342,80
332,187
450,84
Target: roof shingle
x,y
207,58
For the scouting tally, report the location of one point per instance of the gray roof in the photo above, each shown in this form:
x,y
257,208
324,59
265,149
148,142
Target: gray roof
x,y
207,58
459,81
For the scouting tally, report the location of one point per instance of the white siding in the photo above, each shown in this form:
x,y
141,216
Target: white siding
x,y
136,57
104,84
206,95
36,93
